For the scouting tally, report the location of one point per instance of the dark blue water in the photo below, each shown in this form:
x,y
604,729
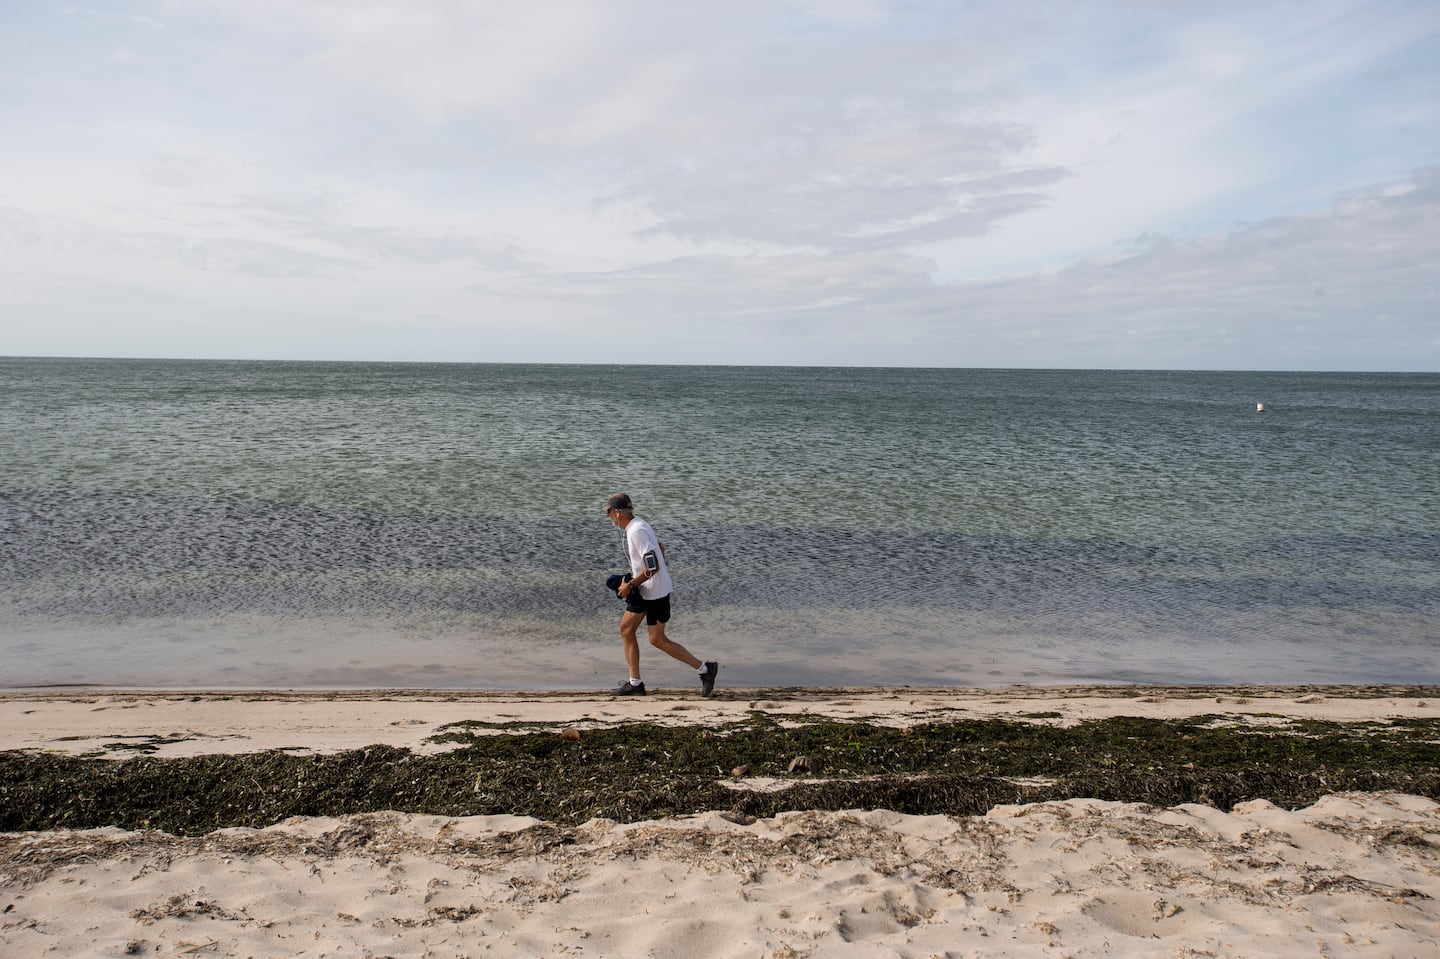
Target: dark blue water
x,y
300,524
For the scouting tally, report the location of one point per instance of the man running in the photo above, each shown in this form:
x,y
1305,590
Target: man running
x,y
647,596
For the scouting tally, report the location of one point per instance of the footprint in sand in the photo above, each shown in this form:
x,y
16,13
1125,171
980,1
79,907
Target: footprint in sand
x,y
1139,915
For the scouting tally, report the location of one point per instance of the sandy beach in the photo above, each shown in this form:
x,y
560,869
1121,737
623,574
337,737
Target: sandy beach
x,y
1354,874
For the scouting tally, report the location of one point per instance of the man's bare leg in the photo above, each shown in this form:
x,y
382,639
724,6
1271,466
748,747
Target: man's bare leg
x,y
666,645
629,626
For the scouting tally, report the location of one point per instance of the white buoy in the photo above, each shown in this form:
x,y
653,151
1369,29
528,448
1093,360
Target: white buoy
x,y
1259,407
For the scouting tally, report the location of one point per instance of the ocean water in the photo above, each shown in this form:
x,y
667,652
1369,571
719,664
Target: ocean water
x,y
301,525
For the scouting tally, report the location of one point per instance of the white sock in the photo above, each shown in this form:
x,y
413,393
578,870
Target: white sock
x,y
634,681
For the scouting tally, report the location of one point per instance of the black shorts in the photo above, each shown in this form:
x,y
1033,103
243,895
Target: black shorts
x,y
655,610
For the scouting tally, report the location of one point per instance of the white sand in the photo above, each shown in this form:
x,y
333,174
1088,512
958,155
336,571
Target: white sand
x,y
194,723
1354,875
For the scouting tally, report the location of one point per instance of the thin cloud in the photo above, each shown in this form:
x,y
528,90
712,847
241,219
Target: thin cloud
x,y
1122,183
1353,282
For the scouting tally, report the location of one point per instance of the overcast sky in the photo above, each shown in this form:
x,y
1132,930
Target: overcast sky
x,y
1131,184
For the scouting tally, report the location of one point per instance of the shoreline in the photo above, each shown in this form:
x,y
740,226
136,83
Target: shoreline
x,y
908,833
73,721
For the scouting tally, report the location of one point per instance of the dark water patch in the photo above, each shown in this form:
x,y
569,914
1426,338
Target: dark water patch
x,y
57,531
97,553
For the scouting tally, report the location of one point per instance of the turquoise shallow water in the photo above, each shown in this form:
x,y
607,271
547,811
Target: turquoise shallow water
x,y
180,523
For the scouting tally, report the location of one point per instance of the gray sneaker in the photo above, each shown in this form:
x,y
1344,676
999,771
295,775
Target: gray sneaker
x,y
628,689
707,678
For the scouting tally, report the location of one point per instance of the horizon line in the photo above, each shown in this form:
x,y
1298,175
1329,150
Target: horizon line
x,y
774,366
